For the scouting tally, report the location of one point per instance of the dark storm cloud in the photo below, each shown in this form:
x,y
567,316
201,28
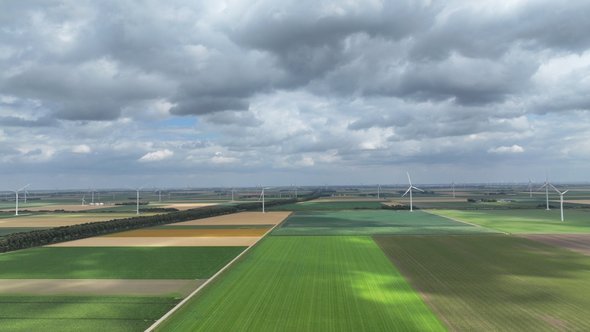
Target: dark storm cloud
x,y
12,121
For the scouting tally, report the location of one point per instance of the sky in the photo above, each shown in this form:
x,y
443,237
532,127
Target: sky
x,y
180,93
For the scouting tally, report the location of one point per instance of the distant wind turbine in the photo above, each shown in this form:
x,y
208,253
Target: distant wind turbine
x,y
378,191
262,197
137,200
560,199
16,194
546,186
84,200
453,189
530,188
410,191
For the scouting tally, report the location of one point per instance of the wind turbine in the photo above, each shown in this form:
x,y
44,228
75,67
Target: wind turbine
x,y
137,200
84,200
546,186
453,189
410,191
378,191
232,194
530,188
560,199
16,194
262,197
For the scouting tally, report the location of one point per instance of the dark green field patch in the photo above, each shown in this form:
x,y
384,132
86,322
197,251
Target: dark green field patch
x,y
328,206
308,284
73,313
370,222
495,282
116,262
12,230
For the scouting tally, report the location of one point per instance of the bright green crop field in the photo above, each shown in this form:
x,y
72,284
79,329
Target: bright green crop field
x,y
496,282
525,221
328,206
73,313
371,222
116,262
315,283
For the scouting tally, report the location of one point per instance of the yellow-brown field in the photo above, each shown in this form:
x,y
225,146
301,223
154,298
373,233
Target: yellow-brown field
x,y
243,218
166,232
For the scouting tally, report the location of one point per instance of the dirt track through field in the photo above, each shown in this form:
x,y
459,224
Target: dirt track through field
x,y
576,242
104,241
243,218
152,287
191,232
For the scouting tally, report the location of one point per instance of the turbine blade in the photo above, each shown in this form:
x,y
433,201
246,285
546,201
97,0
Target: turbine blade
x,y
418,188
407,191
563,193
409,180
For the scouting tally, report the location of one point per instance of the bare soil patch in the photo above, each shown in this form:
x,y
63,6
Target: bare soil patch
x,y
425,200
192,232
244,218
105,241
152,287
576,242
577,201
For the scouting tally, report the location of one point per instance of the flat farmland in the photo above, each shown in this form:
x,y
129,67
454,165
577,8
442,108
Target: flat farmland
x,y
59,219
308,284
369,222
80,313
117,241
576,242
238,219
116,262
322,205
525,220
495,282
199,232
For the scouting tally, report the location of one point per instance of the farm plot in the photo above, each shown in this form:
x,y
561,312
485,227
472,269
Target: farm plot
x,y
116,262
244,218
372,222
184,232
320,205
59,219
495,282
524,221
576,242
308,284
80,313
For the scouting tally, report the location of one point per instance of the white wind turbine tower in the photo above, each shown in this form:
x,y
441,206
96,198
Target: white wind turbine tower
x,y
232,194
546,186
453,184
410,191
560,199
262,197
530,188
84,199
137,200
16,194
378,191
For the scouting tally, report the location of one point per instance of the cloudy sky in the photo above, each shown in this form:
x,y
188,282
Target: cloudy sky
x,y
227,93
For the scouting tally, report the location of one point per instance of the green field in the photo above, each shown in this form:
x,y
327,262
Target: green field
x,y
116,262
72,313
370,222
308,284
525,221
328,206
496,282
12,230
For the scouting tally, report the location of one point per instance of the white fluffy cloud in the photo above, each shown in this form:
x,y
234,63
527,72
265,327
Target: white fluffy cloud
x,y
156,155
507,149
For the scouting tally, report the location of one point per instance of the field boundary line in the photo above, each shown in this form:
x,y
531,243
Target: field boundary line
x,y
202,286
464,222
